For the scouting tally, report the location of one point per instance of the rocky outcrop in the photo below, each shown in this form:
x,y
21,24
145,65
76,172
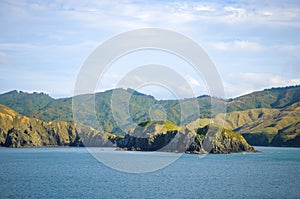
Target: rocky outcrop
x,y
219,140
209,139
155,136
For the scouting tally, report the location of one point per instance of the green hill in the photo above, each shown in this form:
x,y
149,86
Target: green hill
x,y
25,103
20,131
253,115
264,127
268,98
139,106
43,107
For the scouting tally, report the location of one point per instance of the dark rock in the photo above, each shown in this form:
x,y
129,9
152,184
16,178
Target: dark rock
x,y
209,139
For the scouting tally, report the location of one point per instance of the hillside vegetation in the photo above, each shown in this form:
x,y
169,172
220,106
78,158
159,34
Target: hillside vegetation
x,y
264,127
43,107
268,117
20,131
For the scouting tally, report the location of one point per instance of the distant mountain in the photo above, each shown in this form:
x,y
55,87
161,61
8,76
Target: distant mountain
x,y
268,98
25,103
42,106
250,114
139,106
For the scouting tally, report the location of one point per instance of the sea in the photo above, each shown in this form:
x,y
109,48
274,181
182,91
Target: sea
x,y
71,172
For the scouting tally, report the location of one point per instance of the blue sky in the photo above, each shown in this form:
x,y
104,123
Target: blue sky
x,y
254,44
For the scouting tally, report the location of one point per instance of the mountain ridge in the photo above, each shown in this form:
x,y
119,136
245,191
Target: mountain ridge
x,y
132,90
42,106
265,103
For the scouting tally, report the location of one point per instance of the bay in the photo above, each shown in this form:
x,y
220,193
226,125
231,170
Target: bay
x,y
74,173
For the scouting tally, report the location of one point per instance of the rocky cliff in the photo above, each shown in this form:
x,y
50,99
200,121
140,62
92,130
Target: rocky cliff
x,y
20,131
215,139
165,136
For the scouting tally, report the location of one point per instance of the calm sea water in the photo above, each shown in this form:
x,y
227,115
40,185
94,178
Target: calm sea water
x,y
74,173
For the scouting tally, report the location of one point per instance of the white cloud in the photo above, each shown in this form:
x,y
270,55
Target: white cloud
x,y
197,85
267,13
237,45
62,33
130,15
192,81
235,13
191,89
105,13
204,8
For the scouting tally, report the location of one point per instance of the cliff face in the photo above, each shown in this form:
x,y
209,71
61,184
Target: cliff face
x,y
156,136
20,131
214,139
209,139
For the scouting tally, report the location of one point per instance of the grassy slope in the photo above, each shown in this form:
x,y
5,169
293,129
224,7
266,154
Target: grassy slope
x,y
262,124
17,130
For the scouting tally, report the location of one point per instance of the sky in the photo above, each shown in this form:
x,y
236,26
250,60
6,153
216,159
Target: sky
x,y
254,44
